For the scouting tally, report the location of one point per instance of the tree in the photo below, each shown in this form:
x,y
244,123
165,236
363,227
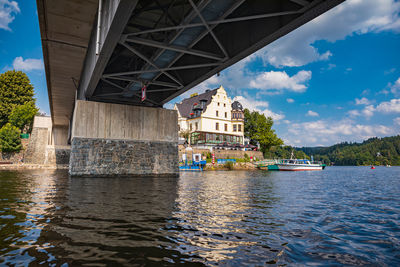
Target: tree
x,y
15,89
258,128
185,134
10,140
23,115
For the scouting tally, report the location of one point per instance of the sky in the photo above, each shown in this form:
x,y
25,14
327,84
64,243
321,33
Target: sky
x,y
335,79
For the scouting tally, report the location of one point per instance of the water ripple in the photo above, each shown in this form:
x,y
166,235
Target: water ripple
x,y
341,216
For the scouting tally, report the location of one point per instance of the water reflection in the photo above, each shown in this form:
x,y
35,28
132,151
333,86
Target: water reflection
x,y
342,216
23,206
115,221
224,219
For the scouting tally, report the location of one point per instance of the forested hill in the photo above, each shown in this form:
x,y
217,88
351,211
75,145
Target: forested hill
x,y
374,151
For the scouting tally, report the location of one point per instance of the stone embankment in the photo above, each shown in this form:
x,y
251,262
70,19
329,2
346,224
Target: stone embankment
x,y
233,167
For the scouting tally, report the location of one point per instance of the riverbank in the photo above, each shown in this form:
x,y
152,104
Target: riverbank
x,y
230,167
23,166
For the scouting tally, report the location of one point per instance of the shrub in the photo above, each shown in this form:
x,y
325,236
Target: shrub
x,y
10,140
15,90
23,115
229,165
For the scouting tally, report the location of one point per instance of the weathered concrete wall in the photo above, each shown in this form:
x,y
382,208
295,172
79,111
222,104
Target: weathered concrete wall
x,y
47,144
58,155
60,136
36,150
119,140
107,157
113,121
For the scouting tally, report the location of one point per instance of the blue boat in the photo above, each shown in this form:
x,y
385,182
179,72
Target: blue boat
x,y
195,166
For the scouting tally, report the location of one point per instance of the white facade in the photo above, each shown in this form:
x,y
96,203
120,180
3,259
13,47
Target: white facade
x,y
216,118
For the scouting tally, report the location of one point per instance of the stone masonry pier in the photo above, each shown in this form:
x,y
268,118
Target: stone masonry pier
x,y
121,140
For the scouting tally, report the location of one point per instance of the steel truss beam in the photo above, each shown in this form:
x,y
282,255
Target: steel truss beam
x,y
131,79
204,33
209,29
109,75
301,2
187,19
133,50
123,90
173,48
221,21
151,62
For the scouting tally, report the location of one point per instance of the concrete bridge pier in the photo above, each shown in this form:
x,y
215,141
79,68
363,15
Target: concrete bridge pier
x,y
122,140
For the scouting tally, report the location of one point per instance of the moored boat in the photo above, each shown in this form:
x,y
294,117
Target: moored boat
x,y
299,165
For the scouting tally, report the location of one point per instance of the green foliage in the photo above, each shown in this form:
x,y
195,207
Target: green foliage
x,y
284,152
23,115
185,134
229,165
374,151
258,128
10,140
15,90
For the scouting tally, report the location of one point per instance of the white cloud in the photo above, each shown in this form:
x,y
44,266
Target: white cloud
x,y
7,11
386,72
312,113
395,88
368,111
260,106
393,106
237,78
280,80
28,64
290,100
354,113
326,132
348,70
397,121
351,17
362,101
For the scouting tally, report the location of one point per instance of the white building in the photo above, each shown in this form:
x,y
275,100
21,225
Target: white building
x,y
211,118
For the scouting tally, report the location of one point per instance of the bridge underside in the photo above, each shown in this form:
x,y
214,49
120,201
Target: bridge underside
x,y
107,51
171,46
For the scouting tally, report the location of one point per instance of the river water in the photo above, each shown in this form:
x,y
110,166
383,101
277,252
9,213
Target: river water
x,y
339,216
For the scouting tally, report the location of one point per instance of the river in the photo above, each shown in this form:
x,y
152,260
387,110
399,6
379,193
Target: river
x,y
339,216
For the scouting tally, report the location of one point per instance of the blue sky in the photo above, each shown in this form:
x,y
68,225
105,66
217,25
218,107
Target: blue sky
x,y
334,79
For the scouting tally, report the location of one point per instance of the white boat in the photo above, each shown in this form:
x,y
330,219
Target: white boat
x,y
299,165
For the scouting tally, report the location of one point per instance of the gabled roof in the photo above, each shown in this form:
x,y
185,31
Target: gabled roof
x,y
185,107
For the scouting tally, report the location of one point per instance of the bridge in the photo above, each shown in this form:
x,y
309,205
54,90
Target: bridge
x,y
100,54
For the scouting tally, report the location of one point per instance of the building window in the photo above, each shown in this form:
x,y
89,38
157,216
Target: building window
x,y
190,127
217,126
179,127
224,105
218,104
226,127
226,114
234,127
216,113
239,127
197,126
